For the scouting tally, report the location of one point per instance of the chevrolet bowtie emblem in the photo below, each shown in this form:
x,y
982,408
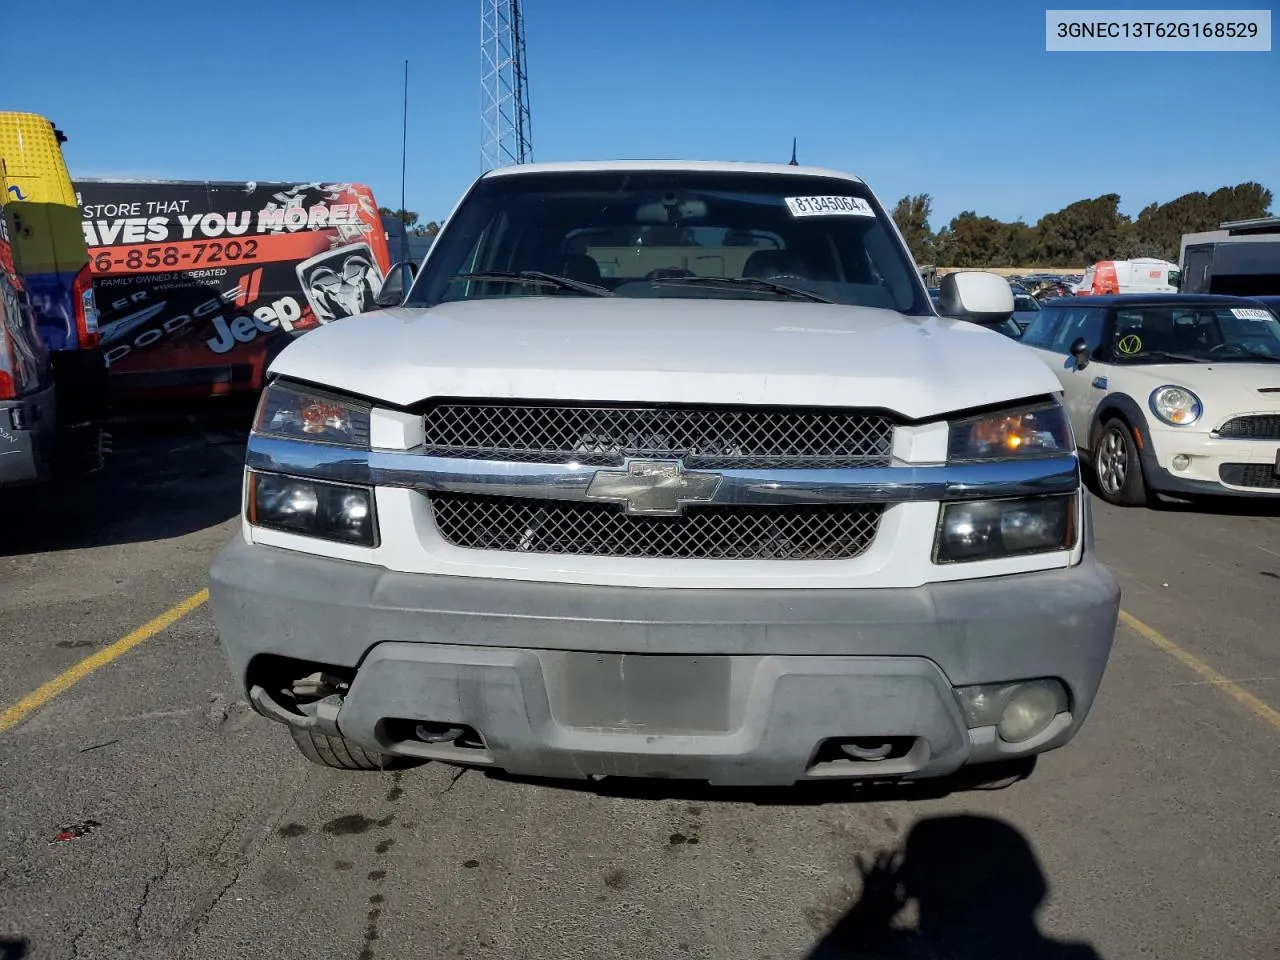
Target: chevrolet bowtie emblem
x,y
653,487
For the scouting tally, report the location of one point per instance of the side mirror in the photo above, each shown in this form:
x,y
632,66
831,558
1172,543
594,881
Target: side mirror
x,y
397,282
1080,352
977,296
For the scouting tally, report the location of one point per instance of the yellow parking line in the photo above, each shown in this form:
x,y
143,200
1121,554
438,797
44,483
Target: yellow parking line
x,y
12,716
1246,699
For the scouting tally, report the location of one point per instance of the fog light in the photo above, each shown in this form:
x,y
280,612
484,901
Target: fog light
x,y
18,418
1181,462
1018,710
314,508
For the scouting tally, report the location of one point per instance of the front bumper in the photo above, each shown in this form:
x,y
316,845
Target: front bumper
x,y
1207,455
731,686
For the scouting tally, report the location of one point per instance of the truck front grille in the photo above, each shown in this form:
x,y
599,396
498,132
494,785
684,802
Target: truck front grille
x,y
1258,427
703,437
800,532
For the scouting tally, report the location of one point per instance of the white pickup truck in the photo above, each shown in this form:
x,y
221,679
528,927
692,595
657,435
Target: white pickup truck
x,y
668,470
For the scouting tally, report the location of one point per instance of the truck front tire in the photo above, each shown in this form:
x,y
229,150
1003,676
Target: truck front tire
x,y
339,754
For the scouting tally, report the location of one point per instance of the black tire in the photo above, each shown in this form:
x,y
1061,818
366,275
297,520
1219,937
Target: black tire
x,y
338,754
1117,468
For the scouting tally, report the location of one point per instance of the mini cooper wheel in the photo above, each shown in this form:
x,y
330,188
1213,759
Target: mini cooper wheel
x,y
1117,466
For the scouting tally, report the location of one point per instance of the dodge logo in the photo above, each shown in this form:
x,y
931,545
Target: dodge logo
x,y
653,487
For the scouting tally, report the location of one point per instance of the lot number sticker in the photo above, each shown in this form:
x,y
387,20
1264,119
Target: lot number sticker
x,y
1250,313
829,207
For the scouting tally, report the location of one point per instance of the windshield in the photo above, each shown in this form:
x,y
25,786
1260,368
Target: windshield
x,y
1025,304
646,233
1200,332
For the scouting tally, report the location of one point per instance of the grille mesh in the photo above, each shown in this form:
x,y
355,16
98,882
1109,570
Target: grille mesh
x,y
703,437
801,532
1259,475
1261,427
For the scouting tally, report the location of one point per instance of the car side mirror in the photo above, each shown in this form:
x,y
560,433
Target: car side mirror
x,y
976,296
1080,352
397,282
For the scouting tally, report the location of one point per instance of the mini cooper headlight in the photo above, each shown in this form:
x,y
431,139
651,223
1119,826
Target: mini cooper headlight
x,y
1176,406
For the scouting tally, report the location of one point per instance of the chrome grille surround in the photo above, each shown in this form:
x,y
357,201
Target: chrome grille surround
x,y
746,512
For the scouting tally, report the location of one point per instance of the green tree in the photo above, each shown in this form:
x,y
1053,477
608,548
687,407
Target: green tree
x,y
1083,232
944,248
411,222
977,241
408,216
1160,226
1021,244
1244,201
912,217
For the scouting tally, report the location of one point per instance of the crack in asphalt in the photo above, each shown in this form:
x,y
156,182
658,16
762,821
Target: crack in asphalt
x,y
454,779
147,887
199,922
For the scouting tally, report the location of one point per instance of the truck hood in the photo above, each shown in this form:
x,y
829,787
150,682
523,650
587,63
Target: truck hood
x,y
681,350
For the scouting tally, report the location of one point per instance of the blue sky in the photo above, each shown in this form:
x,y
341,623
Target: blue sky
x,y
959,100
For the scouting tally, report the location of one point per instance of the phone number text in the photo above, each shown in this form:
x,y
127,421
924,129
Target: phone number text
x,y
171,256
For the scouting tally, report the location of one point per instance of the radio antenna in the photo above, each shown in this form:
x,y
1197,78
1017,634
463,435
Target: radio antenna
x,y
793,153
404,159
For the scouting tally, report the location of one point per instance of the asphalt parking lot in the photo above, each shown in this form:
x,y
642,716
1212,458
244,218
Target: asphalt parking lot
x,y
191,828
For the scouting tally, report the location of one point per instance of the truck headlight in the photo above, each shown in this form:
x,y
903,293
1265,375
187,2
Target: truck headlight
x,y
296,412
1176,406
313,508
971,530
1033,431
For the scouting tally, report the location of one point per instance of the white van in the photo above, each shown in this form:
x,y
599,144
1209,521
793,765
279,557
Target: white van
x,y
1143,275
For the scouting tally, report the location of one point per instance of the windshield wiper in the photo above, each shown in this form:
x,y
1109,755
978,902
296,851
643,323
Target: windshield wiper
x,y
535,277
1246,356
1167,355
753,283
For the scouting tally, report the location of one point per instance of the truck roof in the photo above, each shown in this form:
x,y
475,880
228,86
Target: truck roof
x,y
705,166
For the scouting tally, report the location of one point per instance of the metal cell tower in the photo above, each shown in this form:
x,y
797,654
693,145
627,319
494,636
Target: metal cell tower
x,y
505,128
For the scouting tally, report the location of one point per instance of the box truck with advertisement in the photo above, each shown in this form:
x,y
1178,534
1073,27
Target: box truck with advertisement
x,y
53,385
201,284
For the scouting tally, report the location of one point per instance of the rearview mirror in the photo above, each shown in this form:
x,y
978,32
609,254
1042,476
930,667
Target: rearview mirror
x,y
397,282
1080,352
977,296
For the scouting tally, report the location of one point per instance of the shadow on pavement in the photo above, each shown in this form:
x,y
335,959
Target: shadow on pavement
x,y
13,948
1259,506
992,776
169,475
976,885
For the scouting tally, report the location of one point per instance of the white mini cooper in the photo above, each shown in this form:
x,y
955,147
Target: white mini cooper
x,y
1168,393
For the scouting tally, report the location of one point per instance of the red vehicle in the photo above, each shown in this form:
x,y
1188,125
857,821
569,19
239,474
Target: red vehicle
x,y
199,284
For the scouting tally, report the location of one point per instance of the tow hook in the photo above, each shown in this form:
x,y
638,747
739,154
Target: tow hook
x,y
325,714
437,732
318,715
